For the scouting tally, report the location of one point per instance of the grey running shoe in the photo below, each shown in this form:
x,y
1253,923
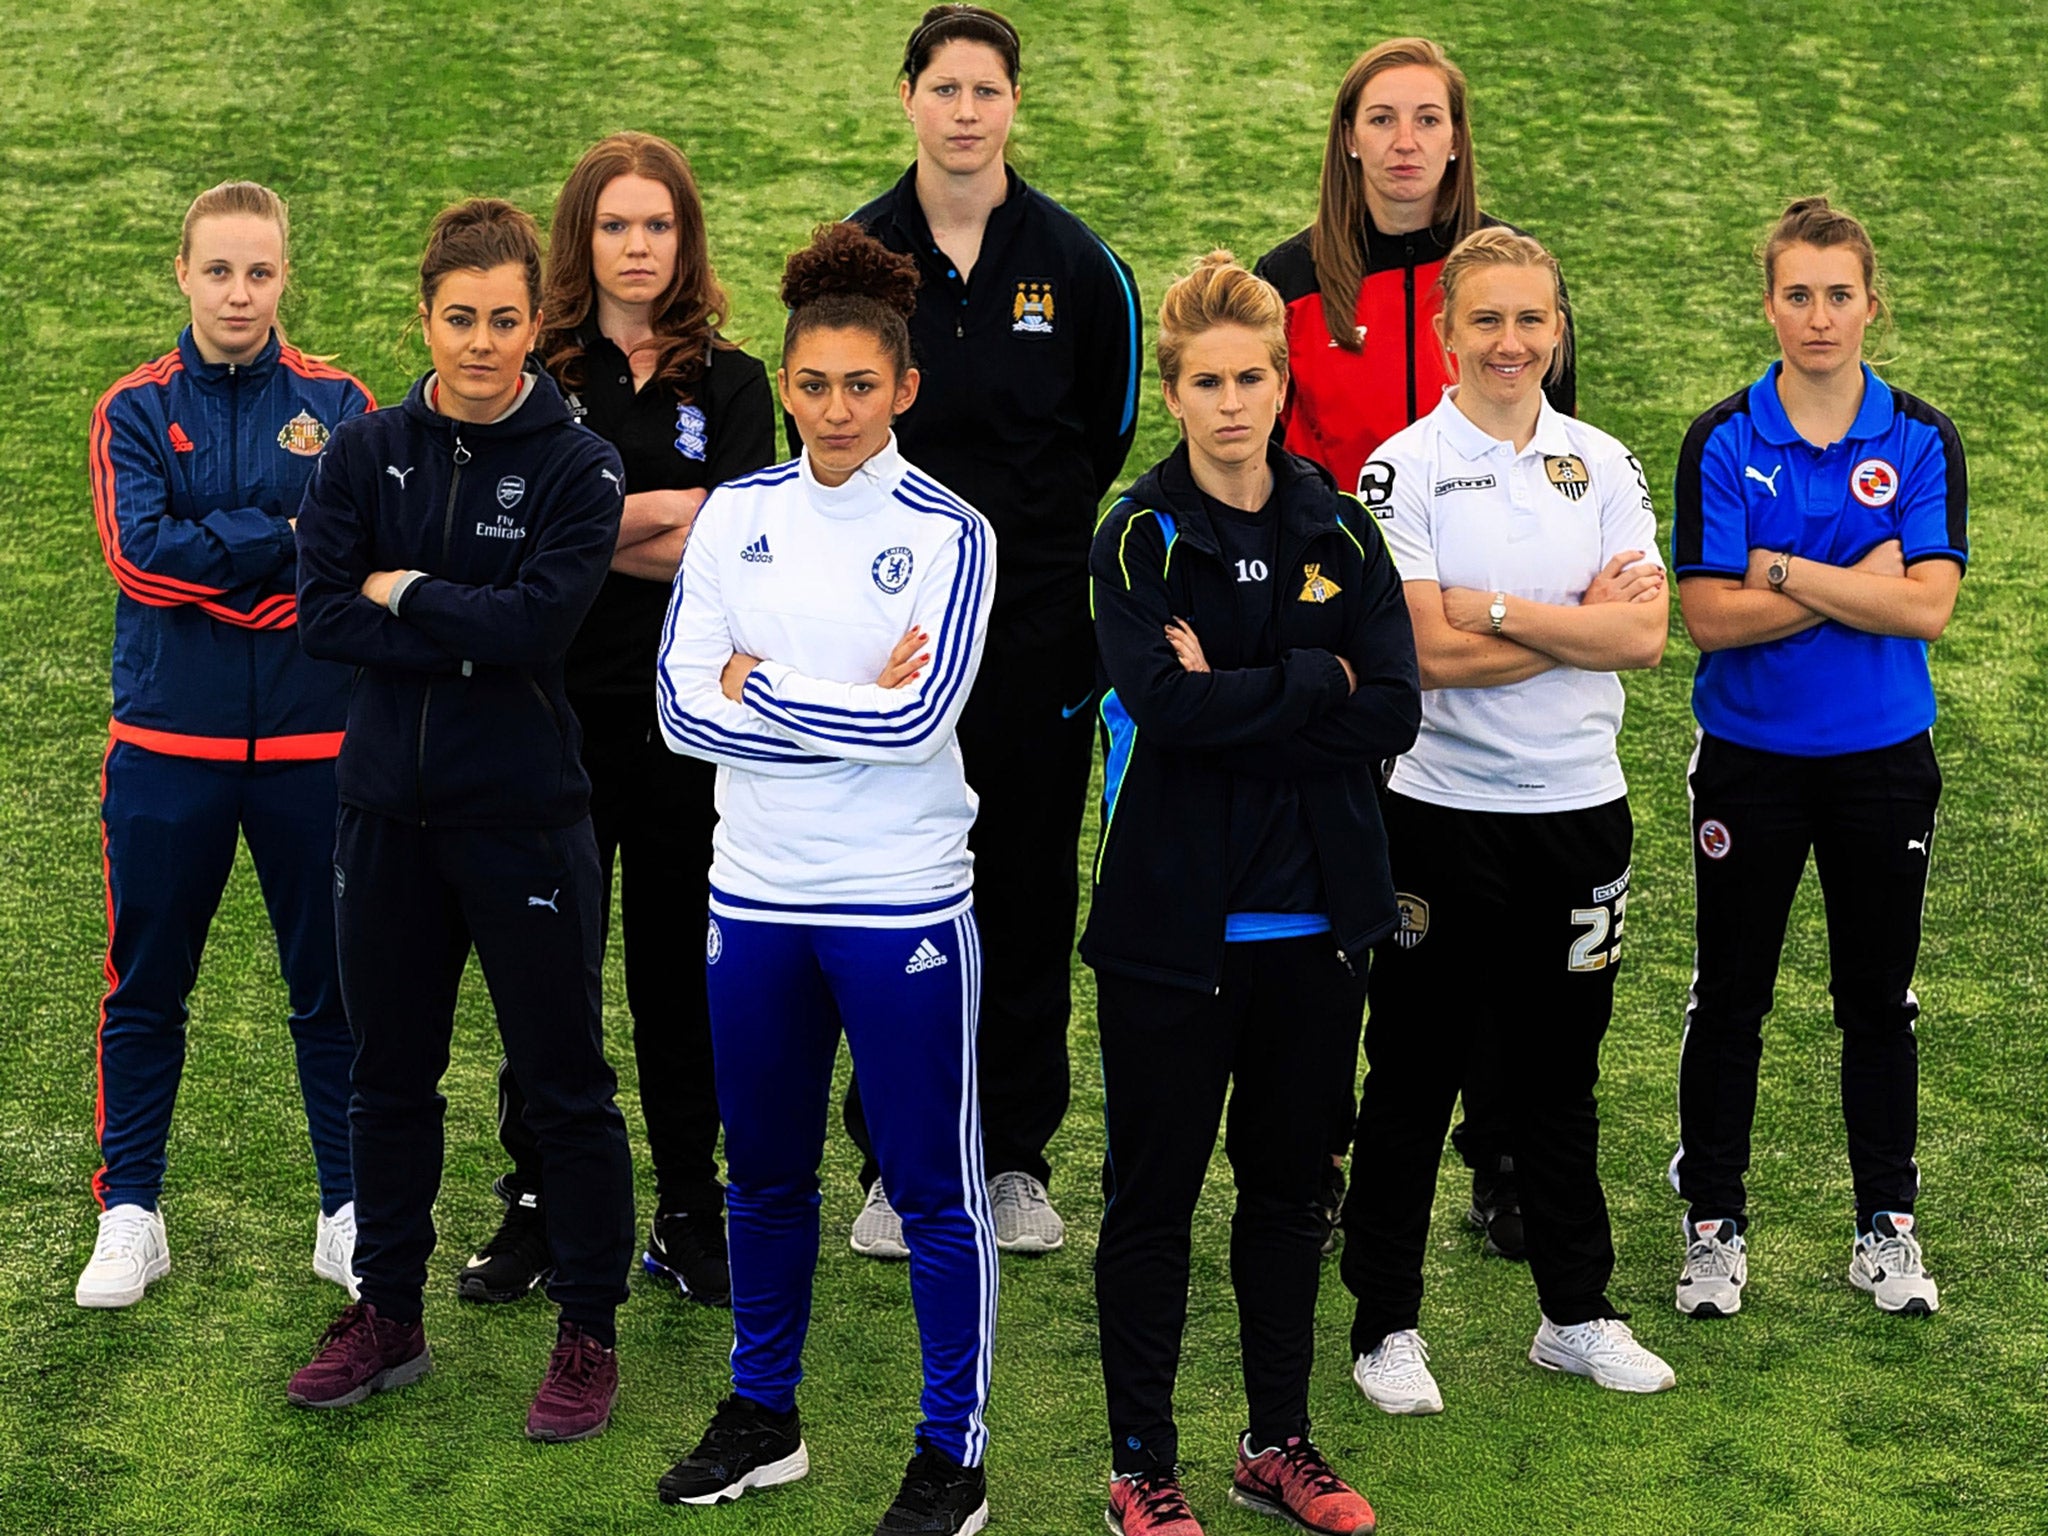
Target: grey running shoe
x,y
1887,1264
1716,1269
878,1230
1025,1219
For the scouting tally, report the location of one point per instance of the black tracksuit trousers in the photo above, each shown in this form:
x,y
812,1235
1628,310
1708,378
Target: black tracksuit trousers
x,y
1281,1035
651,811
1509,944
1027,739
1868,818
410,902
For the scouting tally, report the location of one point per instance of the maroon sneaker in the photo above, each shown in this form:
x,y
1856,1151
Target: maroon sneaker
x,y
359,1354
1295,1483
575,1400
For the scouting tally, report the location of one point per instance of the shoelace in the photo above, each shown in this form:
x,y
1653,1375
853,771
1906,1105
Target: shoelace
x,y
1403,1354
731,1431
1020,1192
575,1360
1308,1464
924,1484
1712,1258
1159,1496
355,1314
120,1238
1896,1255
1606,1336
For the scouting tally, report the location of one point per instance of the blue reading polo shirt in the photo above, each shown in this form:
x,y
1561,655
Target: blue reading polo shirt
x,y
1747,480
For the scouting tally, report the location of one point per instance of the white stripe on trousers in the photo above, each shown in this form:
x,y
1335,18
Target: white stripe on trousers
x,y
975,1192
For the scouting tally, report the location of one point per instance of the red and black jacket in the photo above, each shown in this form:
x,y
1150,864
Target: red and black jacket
x,y
1341,405
197,469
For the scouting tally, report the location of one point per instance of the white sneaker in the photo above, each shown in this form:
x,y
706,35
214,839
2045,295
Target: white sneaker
x,y
878,1230
334,1249
129,1253
1716,1269
1886,1263
1395,1376
1025,1219
1603,1350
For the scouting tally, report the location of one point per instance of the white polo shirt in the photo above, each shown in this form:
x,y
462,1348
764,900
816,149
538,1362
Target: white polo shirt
x,y
1463,509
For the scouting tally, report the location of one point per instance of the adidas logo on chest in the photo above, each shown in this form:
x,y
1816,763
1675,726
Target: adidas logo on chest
x,y
925,957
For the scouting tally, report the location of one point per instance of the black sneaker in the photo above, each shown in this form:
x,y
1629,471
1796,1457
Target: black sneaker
x,y
939,1497
515,1261
745,1447
688,1250
1330,1206
1496,1210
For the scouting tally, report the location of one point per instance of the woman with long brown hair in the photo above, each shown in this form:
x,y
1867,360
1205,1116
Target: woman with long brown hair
x,y
633,309
1399,188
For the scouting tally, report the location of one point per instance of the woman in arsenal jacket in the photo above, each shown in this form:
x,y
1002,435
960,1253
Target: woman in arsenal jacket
x,y
221,725
451,548
1026,333
1257,665
1399,189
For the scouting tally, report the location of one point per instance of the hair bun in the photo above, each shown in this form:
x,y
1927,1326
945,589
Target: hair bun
x,y
846,259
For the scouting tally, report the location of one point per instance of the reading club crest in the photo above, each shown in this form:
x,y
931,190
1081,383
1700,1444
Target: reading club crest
x,y
302,435
1031,310
1874,482
892,570
1567,471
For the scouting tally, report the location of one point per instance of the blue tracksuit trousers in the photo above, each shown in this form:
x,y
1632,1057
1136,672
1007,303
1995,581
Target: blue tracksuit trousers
x,y
170,825
909,1000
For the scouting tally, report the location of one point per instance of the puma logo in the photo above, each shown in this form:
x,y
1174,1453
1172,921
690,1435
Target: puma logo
x,y
615,480
1920,843
398,474
1768,482
547,901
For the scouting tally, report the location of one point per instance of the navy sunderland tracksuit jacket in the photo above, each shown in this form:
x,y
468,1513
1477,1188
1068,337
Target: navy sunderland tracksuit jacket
x,y
221,726
1172,739
464,818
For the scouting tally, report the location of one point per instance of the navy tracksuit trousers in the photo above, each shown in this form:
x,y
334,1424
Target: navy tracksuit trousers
x,y
170,826
410,903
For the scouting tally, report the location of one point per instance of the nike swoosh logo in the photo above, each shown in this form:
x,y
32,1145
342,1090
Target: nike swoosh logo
x,y
1068,711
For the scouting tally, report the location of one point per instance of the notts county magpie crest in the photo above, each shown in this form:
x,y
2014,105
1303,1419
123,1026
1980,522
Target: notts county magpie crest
x,y
1567,471
1031,310
1414,924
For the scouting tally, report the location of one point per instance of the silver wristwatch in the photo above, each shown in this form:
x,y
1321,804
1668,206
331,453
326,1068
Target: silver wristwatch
x,y
1498,611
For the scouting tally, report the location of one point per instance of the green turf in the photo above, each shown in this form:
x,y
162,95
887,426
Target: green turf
x,y
1649,144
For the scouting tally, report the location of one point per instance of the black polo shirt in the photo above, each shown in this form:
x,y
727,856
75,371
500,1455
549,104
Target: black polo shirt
x,y
720,428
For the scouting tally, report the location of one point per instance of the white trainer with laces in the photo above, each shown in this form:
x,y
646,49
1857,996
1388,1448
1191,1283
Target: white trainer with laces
x,y
334,1249
128,1255
1716,1269
878,1230
1605,1352
1025,1219
1887,1264
1395,1375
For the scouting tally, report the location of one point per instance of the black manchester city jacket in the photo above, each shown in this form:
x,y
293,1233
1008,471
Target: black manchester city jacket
x,y
1029,398
1173,738
457,717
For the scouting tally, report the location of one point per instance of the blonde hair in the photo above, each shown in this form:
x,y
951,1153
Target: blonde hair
x,y
1500,246
1220,291
236,197
1338,238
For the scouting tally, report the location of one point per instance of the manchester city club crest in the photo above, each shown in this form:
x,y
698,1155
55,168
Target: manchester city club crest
x,y
302,435
1413,926
1031,310
690,434
1567,471
892,570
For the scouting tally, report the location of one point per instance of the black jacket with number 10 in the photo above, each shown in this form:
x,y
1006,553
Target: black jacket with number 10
x,y
1173,739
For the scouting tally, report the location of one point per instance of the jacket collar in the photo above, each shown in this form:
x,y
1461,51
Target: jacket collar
x,y
1304,498
256,370
1767,411
862,491
543,409
1003,219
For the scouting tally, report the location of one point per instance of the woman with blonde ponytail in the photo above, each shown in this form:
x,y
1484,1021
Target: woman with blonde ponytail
x,y
1256,666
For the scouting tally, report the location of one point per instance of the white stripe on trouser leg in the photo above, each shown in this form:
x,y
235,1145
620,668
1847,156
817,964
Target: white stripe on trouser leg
x,y
974,1181
1692,991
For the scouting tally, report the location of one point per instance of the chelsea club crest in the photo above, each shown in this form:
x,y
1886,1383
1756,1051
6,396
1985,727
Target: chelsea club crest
x,y
892,570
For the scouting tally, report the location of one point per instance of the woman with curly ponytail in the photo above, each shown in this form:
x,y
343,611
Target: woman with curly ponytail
x,y
821,644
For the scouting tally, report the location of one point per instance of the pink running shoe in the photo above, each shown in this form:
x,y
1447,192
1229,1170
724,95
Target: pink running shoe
x,y
359,1354
575,1400
1150,1504
1295,1483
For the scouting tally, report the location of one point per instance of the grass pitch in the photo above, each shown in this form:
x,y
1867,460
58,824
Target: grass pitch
x,y
1649,144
